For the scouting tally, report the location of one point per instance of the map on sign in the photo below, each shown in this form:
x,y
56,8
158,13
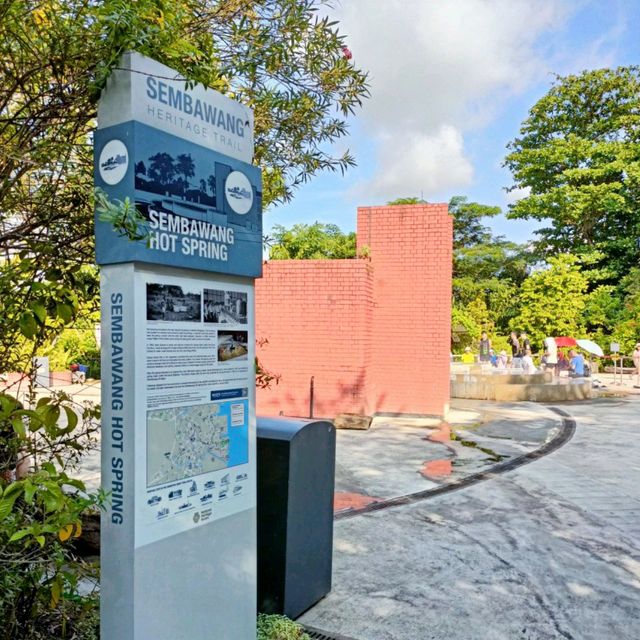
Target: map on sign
x,y
186,441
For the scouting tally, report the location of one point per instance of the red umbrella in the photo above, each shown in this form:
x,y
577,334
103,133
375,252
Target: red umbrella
x,y
565,341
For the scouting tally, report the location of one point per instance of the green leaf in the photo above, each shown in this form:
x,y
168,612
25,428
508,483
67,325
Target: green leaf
x,y
13,490
7,405
28,325
29,491
39,310
6,506
64,312
18,535
72,419
56,593
49,467
49,415
19,428
78,484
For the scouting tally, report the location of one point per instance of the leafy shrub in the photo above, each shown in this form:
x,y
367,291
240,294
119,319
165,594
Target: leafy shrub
x,y
75,344
274,627
40,515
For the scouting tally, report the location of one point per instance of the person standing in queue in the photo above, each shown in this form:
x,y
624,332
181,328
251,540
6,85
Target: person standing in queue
x,y
485,348
516,350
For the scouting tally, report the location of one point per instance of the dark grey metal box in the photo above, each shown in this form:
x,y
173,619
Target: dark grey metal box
x,y
296,478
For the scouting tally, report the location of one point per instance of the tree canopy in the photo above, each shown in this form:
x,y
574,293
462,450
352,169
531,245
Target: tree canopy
x,y
487,270
408,200
468,229
552,300
280,57
315,241
578,154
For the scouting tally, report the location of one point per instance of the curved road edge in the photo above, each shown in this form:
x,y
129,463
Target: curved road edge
x,y
565,433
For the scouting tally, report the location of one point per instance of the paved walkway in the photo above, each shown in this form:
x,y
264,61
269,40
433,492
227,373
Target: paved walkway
x,y
549,550
400,456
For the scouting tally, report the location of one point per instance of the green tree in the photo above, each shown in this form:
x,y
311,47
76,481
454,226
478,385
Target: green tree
x,y
465,330
626,329
468,230
553,300
278,56
400,201
317,241
487,269
578,153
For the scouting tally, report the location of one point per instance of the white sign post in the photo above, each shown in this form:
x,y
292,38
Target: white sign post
x,y
178,538
615,348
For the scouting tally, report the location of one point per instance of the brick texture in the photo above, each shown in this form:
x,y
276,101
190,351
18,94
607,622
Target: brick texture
x,y
373,333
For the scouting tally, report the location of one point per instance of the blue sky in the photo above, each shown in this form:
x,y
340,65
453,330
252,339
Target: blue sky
x,y
451,81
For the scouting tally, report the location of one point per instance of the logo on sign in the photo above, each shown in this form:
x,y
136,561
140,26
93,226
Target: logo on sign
x,y
238,192
113,162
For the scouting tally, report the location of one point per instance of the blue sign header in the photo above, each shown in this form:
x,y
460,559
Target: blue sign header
x,y
202,209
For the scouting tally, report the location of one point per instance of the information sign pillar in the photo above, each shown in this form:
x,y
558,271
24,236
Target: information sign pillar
x,y
178,538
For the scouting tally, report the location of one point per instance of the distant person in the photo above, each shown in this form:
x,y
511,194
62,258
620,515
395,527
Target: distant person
x,y
563,363
527,362
485,348
516,353
503,359
576,364
467,356
525,343
636,363
551,355
636,358
493,358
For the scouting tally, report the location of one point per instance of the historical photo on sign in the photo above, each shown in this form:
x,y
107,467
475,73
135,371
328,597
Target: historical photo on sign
x,y
176,177
172,303
232,345
224,306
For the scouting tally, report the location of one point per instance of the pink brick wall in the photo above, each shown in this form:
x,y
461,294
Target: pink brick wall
x,y
314,315
410,248
374,333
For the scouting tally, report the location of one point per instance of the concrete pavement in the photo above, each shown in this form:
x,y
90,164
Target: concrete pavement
x,y
549,550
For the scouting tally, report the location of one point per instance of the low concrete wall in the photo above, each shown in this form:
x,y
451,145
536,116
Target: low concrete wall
x,y
580,389
493,379
538,387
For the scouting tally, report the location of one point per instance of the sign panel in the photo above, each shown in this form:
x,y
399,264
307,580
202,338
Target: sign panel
x,y
146,91
178,454
178,351
198,353
201,210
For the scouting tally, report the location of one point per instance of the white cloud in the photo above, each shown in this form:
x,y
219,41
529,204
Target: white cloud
x,y
511,197
439,70
423,163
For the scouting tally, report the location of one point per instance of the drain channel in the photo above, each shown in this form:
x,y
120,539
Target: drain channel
x,y
566,433
317,634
